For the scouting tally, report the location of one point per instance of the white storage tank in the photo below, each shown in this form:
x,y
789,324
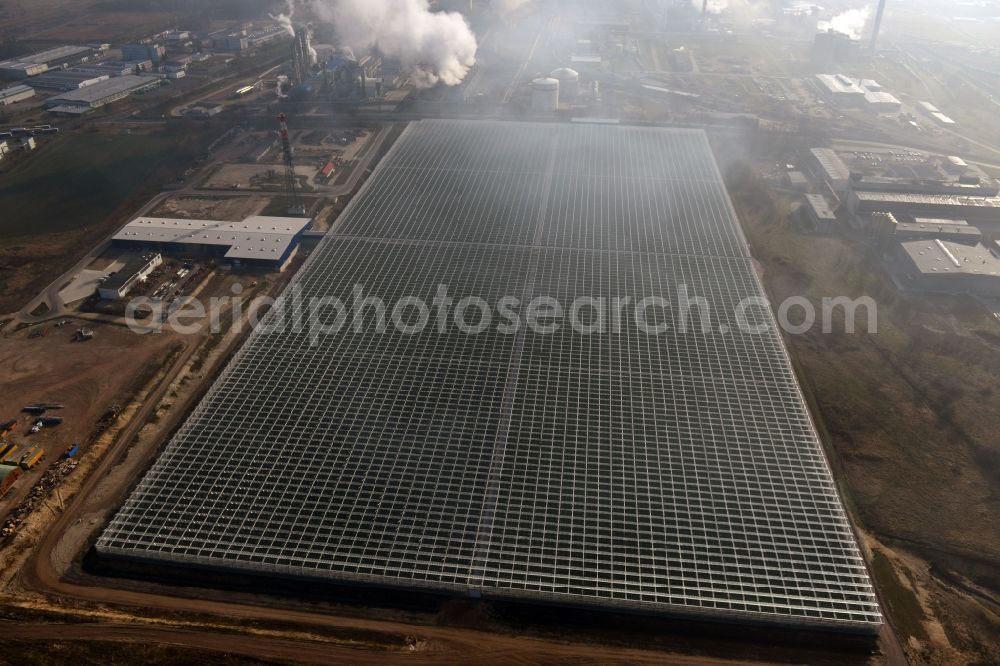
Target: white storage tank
x,y
545,94
569,82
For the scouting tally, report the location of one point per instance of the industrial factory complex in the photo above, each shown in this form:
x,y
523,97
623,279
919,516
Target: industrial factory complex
x,y
474,464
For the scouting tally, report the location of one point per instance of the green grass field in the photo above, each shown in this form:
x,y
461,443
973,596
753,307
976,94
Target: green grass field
x,y
74,190
75,180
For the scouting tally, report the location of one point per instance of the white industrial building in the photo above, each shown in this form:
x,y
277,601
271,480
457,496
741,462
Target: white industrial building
x,y
865,93
882,102
136,269
95,96
258,241
842,89
15,93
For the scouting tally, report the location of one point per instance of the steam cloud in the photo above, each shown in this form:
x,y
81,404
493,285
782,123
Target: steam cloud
x,y
851,23
714,6
285,19
436,47
506,6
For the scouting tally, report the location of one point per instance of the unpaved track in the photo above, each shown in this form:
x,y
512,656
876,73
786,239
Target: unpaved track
x,y
481,649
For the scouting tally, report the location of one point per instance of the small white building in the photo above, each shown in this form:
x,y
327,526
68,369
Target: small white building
x,y
28,143
136,269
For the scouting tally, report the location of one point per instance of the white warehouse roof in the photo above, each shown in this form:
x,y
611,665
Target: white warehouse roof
x,y
941,256
257,237
838,84
95,95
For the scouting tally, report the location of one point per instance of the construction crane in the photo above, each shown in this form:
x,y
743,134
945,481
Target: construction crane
x,y
295,204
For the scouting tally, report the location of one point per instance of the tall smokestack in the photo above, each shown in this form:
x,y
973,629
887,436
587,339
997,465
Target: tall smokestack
x,y
878,23
704,10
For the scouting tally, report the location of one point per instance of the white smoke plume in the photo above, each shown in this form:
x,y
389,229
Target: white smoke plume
x,y
436,47
506,6
714,6
851,23
285,19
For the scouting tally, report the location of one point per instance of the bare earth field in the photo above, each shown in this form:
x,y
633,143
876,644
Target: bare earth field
x,y
108,26
910,415
86,377
208,208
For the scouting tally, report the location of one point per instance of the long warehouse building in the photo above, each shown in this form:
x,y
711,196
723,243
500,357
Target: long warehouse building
x,y
55,58
86,99
670,469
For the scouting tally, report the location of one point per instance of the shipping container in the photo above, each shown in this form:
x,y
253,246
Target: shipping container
x,y
10,454
8,475
30,461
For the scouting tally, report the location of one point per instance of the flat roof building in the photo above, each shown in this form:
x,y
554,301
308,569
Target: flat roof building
x,y
261,241
841,88
947,266
136,269
99,94
882,102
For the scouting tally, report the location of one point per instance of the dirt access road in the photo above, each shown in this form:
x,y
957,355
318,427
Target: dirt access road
x,y
475,649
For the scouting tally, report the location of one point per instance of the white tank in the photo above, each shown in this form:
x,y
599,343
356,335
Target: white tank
x,y
545,94
569,82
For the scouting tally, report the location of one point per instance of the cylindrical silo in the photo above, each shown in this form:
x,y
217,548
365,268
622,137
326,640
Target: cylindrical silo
x,y
569,82
545,94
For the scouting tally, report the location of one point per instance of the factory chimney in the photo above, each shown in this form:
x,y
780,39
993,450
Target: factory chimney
x,y
704,10
878,23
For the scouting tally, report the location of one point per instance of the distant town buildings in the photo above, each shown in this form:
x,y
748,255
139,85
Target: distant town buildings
x,y
86,99
153,52
55,58
15,93
861,93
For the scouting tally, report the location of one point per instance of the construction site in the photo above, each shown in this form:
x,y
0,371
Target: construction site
x,y
191,466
